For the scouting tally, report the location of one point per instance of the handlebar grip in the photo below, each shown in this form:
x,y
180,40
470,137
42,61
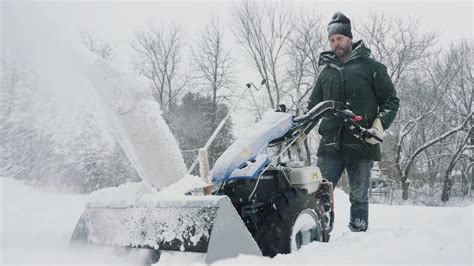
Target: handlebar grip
x,y
370,135
378,139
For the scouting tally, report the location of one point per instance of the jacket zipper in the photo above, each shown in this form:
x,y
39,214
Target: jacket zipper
x,y
340,70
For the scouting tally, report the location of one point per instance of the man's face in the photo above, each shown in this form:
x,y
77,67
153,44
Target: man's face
x,y
341,45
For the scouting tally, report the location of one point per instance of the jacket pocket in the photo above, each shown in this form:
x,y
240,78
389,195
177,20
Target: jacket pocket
x,y
329,126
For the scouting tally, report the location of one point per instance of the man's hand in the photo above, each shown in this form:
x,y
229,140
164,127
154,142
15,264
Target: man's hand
x,y
376,130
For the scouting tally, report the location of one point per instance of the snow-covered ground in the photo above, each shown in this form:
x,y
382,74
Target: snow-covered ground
x,y
36,228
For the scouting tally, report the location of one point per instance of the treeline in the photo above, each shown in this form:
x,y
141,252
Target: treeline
x,y
428,149
427,152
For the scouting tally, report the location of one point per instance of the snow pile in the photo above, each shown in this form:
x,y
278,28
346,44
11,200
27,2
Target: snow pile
x,y
251,142
182,186
142,193
396,235
125,195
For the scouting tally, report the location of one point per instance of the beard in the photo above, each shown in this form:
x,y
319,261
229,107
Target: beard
x,y
343,52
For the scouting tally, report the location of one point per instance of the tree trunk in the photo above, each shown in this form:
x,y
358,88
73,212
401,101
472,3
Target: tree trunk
x,y
448,183
471,160
465,184
405,186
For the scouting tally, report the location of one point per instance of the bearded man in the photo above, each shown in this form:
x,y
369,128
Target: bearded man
x,y
351,76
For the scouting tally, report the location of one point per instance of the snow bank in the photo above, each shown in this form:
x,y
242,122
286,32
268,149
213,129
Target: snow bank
x,y
396,235
36,228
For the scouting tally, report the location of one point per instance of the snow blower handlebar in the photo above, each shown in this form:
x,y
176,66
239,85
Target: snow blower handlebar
x,y
340,110
305,123
317,111
352,121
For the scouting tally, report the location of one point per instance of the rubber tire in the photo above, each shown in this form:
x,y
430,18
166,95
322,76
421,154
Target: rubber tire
x,y
275,227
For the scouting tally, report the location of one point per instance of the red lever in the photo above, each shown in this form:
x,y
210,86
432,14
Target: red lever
x,y
357,118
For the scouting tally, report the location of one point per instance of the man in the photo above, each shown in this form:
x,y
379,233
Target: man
x,y
351,76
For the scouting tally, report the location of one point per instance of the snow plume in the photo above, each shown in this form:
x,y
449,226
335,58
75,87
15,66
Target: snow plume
x,y
139,126
54,132
70,121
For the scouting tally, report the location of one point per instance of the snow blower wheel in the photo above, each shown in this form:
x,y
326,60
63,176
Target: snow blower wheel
x,y
307,228
293,221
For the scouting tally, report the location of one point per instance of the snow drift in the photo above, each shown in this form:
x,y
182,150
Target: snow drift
x,y
397,235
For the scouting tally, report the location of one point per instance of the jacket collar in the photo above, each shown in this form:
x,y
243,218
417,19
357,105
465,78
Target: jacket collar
x,y
358,50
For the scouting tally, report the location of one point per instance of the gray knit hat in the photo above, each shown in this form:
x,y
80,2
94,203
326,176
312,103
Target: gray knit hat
x,y
340,24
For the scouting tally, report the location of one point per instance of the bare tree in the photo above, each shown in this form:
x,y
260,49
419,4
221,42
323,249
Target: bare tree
x,y
428,144
305,44
213,62
263,32
460,103
448,183
419,118
98,47
158,57
307,41
397,42
404,49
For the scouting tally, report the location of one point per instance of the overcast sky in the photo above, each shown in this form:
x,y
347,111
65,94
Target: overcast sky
x,y
35,25
117,22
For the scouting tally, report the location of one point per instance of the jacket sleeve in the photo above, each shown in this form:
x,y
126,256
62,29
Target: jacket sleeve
x,y
386,96
316,95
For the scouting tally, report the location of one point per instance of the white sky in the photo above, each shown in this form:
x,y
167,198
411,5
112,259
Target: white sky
x,y
26,23
116,22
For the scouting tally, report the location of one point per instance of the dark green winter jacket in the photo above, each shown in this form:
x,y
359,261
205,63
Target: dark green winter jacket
x,y
365,85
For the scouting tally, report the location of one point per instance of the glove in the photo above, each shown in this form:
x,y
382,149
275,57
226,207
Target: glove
x,y
376,130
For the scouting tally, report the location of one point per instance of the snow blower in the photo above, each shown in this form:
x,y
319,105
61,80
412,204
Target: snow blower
x,y
262,204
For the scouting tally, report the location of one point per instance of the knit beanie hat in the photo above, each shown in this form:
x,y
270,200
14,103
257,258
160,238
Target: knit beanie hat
x,y
340,24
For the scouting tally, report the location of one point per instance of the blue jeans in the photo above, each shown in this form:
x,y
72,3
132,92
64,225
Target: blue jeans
x,y
359,172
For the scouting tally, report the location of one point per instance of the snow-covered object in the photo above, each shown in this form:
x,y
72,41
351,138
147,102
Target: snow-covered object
x,y
179,223
149,222
252,142
135,194
125,195
138,215
184,185
141,129
251,168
